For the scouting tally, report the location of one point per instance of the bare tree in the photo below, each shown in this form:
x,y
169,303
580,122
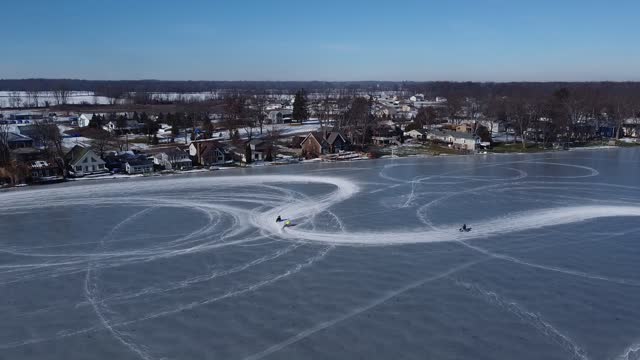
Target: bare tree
x,y
261,105
15,99
52,140
5,153
61,94
325,112
234,111
33,97
114,93
523,113
102,141
358,120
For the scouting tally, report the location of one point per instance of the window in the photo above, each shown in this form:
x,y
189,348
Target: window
x,y
93,160
78,168
86,160
101,166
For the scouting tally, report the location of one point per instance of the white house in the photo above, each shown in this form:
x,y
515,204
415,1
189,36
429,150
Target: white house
x,y
84,119
417,134
461,141
83,161
417,97
280,116
465,141
173,159
494,126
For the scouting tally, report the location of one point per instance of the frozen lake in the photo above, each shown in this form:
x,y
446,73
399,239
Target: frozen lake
x,y
195,267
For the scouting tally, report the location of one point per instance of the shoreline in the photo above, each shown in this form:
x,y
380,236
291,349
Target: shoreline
x,y
111,177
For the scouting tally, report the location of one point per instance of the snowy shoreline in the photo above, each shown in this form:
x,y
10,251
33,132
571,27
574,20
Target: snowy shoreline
x,y
107,177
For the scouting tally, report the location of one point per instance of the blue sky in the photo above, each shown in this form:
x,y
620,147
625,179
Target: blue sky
x,y
475,40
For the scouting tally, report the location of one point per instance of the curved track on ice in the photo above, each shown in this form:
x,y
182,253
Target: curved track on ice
x,y
220,215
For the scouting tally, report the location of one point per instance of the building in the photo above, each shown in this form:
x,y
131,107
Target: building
x,y
42,171
464,128
208,152
173,159
314,145
457,140
84,120
139,165
82,161
317,143
417,97
494,126
280,116
465,141
417,134
18,141
337,142
131,126
386,140
260,150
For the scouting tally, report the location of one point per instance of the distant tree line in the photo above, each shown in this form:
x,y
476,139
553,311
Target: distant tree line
x,y
430,89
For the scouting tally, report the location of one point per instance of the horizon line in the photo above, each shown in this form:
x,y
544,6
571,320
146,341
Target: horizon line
x,y
335,81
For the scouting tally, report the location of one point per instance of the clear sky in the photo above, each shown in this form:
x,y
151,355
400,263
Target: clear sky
x,y
476,40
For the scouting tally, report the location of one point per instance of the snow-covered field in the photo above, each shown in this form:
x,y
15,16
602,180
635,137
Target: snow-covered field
x,y
25,100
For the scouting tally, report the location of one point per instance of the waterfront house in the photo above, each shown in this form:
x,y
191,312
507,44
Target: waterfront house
x,y
317,143
208,152
83,161
314,145
172,159
260,150
417,134
139,164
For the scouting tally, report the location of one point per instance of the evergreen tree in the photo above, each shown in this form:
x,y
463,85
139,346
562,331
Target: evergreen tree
x,y
300,107
121,122
247,153
95,121
208,128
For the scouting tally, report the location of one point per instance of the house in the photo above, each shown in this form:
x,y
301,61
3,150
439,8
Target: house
x,y
131,126
464,128
386,140
84,119
139,164
465,141
173,159
317,143
336,141
18,141
417,97
280,116
631,126
457,140
494,126
260,150
314,145
208,152
42,171
417,134
437,135
83,161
